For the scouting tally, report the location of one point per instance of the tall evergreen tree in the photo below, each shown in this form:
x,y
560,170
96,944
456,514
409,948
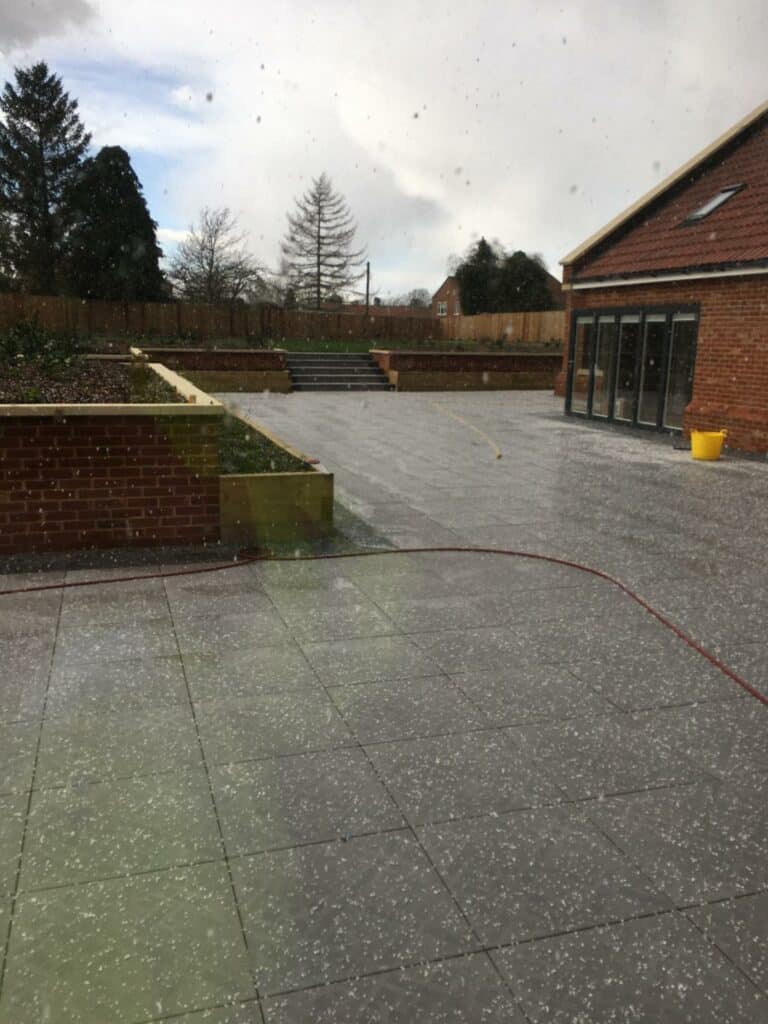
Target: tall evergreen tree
x,y
492,282
477,278
318,259
112,246
42,142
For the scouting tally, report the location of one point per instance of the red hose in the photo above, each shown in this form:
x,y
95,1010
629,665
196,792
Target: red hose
x,y
250,559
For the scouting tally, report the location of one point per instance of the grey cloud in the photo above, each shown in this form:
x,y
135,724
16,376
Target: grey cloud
x,y
24,23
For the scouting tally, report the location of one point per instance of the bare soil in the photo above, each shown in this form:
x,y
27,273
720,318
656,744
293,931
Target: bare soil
x,y
86,380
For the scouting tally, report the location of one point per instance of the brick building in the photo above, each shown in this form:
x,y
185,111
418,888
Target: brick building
x,y
667,305
446,300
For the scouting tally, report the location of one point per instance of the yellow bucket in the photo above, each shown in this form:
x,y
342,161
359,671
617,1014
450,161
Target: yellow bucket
x,y
707,445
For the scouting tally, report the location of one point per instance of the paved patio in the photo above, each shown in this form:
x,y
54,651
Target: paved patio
x,y
443,787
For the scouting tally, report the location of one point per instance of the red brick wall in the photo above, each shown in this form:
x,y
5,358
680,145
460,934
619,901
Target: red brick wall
x,y
448,292
461,362
730,386
107,481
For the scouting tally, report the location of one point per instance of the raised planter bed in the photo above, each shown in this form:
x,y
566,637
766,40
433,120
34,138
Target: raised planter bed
x,y
468,371
269,492
144,472
225,369
111,474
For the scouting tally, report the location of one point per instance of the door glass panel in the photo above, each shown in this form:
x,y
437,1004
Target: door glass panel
x,y
682,355
651,369
626,383
581,363
605,366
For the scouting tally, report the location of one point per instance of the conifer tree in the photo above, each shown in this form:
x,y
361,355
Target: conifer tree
x,y
318,258
42,144
112,245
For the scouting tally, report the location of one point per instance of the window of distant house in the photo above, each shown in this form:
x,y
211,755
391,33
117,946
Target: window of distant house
x,y
442,309
712,204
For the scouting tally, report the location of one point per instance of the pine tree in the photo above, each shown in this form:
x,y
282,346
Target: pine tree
x,y
318,259
112,245
42,143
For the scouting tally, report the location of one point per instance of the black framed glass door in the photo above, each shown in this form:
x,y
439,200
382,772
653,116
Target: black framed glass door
x,y
626,368
680,364
652,369
605,367
634,367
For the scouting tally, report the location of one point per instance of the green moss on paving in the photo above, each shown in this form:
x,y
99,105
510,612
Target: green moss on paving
x,y
244,450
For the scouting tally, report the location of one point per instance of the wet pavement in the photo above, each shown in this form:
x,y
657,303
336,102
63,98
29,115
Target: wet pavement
x,y
411,787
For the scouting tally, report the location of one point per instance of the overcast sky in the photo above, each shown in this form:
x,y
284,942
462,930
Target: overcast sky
x,y
533,123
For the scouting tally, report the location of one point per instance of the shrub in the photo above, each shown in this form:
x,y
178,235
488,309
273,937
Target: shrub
x,y
27,341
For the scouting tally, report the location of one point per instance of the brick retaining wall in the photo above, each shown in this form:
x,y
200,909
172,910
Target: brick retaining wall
x,y
111,480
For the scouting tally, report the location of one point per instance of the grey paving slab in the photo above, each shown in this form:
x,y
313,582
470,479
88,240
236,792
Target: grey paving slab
x,y
98,830
18,743
218,635
110,641
527,692
108,685
29,613
137,601
12,814
609,753
309,798
269,724
636,678
656,969
453,992
726,740
25,664
336,910
532,873
342,615
400,708
457,776
366,660
245,1013
493,648
701,842
740,928
87,747
125,950
247,671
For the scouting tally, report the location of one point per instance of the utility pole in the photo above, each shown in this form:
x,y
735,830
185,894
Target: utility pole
x,y
367,286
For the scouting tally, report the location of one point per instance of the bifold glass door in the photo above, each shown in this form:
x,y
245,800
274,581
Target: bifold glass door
x,y
634,367
651,369
626,373
582,358
682,356
605,367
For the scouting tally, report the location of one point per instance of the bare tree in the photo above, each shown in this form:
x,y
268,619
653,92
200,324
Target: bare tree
x,y
318,259
212,264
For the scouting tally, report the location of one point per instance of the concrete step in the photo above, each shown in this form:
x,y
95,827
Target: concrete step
x,y
338,386
335,371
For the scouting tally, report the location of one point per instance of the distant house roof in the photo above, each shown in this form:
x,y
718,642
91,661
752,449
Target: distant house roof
x,y
555,290
661,230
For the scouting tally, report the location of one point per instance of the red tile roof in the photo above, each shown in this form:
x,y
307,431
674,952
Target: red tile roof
x,y
655,239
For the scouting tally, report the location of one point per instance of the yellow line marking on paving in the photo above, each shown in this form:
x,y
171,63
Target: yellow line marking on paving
x,y
469,426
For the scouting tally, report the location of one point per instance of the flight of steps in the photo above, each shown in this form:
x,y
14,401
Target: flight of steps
x,y
335,371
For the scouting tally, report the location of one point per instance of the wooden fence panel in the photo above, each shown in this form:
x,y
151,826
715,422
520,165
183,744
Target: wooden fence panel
x,y
527,327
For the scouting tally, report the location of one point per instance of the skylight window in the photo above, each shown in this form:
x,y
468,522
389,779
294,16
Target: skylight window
x,y
712,204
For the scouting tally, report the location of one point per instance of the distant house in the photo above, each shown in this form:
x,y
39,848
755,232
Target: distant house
x,y
446,300
667,305
556,292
